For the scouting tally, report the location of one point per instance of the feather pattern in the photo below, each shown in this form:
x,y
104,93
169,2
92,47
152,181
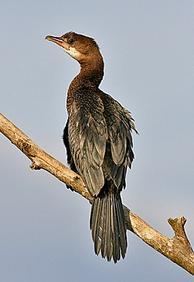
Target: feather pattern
x,y
99,146
87,133
107,223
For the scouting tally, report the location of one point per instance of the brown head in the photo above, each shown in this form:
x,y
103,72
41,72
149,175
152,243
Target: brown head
x,y
80,47
86,51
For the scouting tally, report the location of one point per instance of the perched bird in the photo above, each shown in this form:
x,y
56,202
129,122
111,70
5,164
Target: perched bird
x,y
98,141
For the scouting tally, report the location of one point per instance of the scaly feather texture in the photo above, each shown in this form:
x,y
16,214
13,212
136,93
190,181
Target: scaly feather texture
x,y
99,146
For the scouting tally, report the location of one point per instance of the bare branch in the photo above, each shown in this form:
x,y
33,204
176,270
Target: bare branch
x,y
177,248
40,159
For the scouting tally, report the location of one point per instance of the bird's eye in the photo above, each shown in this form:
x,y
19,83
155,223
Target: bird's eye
x,y
70,40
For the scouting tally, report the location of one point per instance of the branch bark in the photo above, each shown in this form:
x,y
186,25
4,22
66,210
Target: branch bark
x,y
177,248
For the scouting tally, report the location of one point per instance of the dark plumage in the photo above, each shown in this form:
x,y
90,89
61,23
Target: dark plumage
x,y
98,140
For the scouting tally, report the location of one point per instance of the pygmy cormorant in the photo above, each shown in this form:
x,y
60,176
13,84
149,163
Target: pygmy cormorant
x,y
98,141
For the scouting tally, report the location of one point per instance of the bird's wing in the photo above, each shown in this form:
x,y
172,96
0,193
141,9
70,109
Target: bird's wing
x,y
120,124
87,131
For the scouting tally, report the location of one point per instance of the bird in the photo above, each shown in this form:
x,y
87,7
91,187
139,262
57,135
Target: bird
x,y
99,145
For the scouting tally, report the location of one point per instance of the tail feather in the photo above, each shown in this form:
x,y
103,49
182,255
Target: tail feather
x,y
116,249
108,245
107,223
122,228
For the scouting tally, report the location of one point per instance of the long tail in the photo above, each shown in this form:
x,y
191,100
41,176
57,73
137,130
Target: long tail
x,y
107,223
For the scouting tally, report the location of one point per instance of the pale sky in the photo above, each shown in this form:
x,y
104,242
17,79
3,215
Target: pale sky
x,y
148,52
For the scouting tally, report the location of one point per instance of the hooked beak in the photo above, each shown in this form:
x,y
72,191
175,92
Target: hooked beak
x,y
59,41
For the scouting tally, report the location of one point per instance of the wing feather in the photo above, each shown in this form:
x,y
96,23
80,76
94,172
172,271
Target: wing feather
x,y
87,132
100,140
120,124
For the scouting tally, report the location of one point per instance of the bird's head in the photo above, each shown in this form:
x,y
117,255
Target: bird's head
x,y
80,47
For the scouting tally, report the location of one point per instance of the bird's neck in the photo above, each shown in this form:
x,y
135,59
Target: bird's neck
x,y
89,77
91,73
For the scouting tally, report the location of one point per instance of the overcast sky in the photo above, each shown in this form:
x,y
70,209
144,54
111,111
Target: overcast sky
x,y
148,52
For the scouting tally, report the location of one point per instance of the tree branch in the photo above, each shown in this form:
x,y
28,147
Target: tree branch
x,y
177,248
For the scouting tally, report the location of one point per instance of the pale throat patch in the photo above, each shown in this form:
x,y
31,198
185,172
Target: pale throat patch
x,y
73,53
